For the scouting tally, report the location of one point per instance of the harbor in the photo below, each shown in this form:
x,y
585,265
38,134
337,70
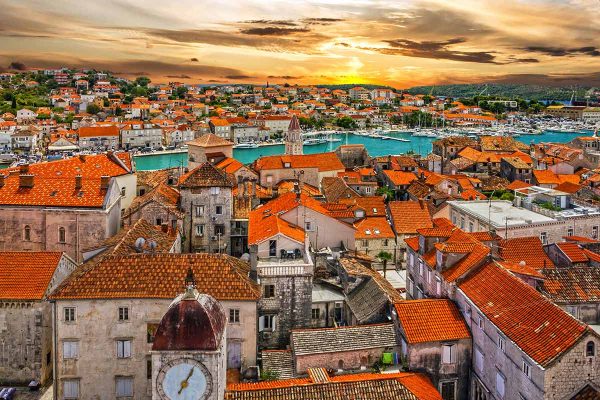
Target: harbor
x,y
377,144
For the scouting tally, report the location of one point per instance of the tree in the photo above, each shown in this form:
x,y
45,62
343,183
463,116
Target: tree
x,y
92,108
142,81
384,256
386,192
346,123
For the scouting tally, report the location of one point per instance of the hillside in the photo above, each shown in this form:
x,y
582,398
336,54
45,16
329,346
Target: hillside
x,y
529,92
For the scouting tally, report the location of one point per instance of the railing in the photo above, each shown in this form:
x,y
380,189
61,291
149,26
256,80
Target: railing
x,y
284,269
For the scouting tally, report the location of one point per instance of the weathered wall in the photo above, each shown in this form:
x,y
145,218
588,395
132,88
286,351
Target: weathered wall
x,y
348,360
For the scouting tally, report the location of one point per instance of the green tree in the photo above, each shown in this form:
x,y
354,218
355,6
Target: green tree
x,y
384,256
346,123
92,109
142,81
386,192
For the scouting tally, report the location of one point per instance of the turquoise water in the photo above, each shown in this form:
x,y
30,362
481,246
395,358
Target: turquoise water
x,y
375,147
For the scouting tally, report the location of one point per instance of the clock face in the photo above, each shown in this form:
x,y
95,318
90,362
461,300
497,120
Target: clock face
x,y
183,379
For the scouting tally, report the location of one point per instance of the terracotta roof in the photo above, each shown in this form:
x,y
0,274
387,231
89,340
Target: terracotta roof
x,y
373,206
545,177
373,228
537,326
205,175
372,386
409,216
321,161
335,189
528,249
95,131
399,178
413,242
88,166
572,251
163,194
209,140
26,275
229,165
521,268
262,227
431,320
572,285
514,185
161,276
568,187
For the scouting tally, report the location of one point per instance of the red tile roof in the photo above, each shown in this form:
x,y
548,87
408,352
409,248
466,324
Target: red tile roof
x,y
322,161
205,175
573,252
545,177
409,216
528,249
96,131
431,320
373,228
209,140
160,276
514,185
536,325
26,275
400,178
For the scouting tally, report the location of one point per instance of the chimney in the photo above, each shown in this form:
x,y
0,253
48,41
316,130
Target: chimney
x,y
109,154
164,227
24,169
421,204
1,180
240,187
104,181
25,181
78,179
82,157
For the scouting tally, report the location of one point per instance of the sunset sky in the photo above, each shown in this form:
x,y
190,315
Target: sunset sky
x,y
398,43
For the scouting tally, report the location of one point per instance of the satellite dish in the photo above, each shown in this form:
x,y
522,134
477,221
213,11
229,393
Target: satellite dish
x,y
139,244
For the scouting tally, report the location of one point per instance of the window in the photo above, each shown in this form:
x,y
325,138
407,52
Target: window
x,y
365,243
544,237
219,210
71,389
199,230
124,387
448,354
595,232
149,368
123,313
478,360
368,190
234,315
69,314
159,221
500,384
272,248
385,242
480,322
123,191
62,235
70,349
501,343
448,390
27,233
269,291
123,348
315,313
409,286
438,286
462,223
215,190
411,260
150,332
219,230
267,323
526,368
421,267
590,349
308,226
470,227
570,232
199,211
573,310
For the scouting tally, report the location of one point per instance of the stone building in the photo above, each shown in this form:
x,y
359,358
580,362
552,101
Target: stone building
x,y
25,317
436,341
127,296
353,155
374,235
208,146
140,134
207,203
524,346
406,217
308,168
66,205
158,206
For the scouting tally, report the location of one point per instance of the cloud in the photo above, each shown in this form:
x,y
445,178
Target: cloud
x,y
283,22
182,76
439,50
17,65
321,21
238,77
273,31
284,77
193,59
564,52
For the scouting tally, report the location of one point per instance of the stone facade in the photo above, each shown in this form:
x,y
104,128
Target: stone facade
x,y
84,228
97,329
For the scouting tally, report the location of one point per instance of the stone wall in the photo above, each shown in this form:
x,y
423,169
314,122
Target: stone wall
x,y
342,360
97,329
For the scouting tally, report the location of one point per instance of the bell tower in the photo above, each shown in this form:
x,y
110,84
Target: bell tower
x,y
189,352
293,138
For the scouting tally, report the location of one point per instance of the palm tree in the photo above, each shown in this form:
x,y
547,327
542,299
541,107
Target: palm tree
x,y
384,256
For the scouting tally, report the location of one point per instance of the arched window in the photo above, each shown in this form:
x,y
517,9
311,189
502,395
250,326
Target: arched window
x,y
341,364
27,233
62,235
590,349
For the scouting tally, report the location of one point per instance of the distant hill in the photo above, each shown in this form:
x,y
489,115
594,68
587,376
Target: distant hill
x,y
351,85
508,90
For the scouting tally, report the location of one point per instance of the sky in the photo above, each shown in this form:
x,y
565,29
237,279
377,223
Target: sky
x,y
397,43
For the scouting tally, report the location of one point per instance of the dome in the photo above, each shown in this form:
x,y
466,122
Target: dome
x,y
193,322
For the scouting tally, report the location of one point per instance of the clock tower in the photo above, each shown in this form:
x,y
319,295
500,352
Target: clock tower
x,y
188,353
293,138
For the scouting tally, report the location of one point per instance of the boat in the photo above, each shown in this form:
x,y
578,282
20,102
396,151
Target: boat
x,y
246,146
314,141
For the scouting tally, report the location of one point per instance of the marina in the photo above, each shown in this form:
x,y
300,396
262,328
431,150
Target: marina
x,y
391,143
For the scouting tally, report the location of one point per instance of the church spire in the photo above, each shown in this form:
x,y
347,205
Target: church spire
x,y
293,138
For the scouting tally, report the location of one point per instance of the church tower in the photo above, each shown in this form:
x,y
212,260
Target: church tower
x,y
188,352
293,138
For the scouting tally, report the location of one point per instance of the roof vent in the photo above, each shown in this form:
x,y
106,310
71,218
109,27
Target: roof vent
x,y
24,169
82,157
78,182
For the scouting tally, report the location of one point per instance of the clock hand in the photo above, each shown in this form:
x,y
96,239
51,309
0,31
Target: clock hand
x,y
184,383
